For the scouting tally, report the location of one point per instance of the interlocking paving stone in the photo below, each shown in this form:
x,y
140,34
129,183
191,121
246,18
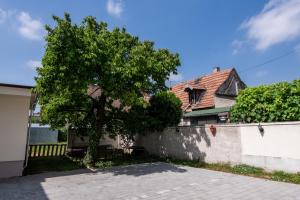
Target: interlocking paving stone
x,y
145,181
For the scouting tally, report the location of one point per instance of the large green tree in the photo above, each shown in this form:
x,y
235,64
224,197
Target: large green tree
x,y
119,69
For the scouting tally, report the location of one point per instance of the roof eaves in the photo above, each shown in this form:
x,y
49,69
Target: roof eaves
x,y
16,86
207,112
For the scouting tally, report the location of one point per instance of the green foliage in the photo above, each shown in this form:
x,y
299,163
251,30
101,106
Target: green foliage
x,y
165,110
62,136
286,177
247,170
123,161
104,164
120,65
268,103
35,120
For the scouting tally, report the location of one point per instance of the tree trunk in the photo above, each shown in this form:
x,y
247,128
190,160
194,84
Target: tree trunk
x,y
91,154
95,134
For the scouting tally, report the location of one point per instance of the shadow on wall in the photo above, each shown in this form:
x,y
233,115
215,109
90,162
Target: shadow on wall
x,y
179,144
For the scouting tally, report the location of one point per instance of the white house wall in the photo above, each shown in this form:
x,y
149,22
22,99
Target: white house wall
x,y
14,112
15,91
224,101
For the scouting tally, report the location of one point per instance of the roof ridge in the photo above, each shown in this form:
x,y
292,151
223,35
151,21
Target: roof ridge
x,y
201,76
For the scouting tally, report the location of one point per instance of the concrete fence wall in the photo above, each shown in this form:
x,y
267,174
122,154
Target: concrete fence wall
x,y
75,141
277,148
195,143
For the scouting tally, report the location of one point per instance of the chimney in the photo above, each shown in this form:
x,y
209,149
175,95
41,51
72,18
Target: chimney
x,y
216,69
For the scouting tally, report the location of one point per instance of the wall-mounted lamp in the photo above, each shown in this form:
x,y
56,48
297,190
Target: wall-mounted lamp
x,y
261,129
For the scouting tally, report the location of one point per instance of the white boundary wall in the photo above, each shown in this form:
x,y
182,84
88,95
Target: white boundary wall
x,y
77,141
278,148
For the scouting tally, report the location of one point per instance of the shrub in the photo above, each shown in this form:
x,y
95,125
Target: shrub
x,y
162,110
165,110
247,170
286,177
268,103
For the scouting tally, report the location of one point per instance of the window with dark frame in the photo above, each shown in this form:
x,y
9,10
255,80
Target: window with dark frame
x,y
194,96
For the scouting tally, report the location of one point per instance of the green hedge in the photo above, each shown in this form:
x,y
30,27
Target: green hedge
x,y
268,103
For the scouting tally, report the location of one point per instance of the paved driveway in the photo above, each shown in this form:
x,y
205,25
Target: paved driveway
x,y
145,181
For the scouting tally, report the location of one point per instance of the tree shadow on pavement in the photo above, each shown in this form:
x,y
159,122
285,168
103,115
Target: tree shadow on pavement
x,y
45,186
32,186
144,169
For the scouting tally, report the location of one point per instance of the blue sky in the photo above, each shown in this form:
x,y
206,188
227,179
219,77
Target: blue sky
x,y
206,33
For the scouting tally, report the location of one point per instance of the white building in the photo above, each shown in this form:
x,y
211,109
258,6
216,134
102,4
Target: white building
x,y
16,102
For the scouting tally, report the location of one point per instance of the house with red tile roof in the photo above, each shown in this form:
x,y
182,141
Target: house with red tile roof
x,y
207,99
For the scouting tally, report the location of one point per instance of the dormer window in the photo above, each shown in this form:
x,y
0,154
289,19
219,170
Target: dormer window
x,y
194,94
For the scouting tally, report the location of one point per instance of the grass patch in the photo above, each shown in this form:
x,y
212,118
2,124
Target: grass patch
x,y
47,164
123,161
240,169
286,177
247,170
38,165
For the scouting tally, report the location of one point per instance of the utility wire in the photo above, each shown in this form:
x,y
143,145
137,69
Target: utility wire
x,y
271,60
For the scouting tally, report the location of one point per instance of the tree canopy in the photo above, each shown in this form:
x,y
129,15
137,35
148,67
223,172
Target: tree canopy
x,y
164,110
92,76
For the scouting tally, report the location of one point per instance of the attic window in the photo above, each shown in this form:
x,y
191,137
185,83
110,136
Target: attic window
x,y
194,96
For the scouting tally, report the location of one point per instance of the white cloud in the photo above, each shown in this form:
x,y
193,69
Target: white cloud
x,y
33,64
277,22
114,7
30,28
175,77
22,22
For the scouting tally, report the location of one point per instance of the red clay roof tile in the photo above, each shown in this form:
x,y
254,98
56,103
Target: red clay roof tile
x,y
210,83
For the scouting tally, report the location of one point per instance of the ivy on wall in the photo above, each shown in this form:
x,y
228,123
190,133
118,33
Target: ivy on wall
x,y
268,103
